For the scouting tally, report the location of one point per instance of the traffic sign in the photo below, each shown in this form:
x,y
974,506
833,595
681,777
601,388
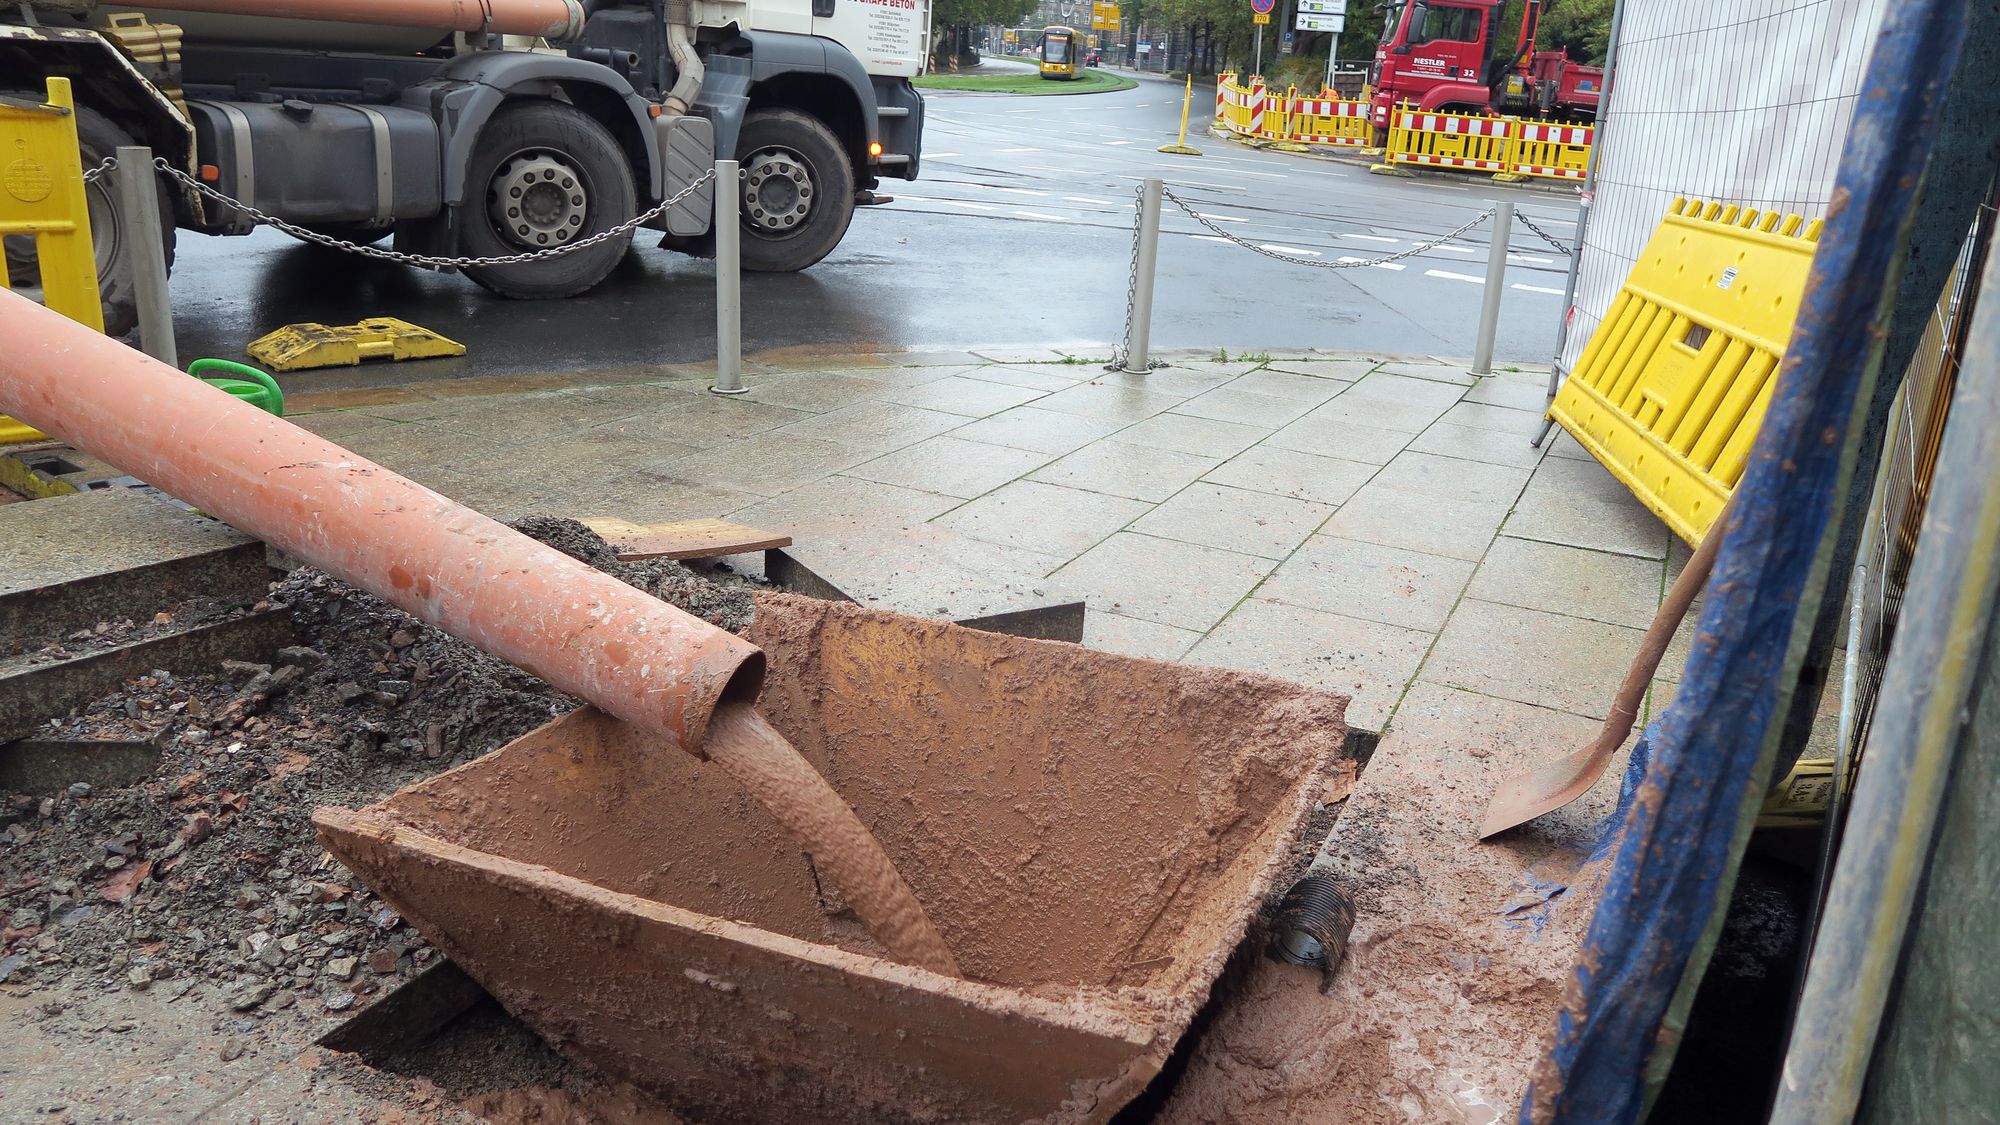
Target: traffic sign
x,y
1310,22
1263,8
1324,7
1260,17
1104,17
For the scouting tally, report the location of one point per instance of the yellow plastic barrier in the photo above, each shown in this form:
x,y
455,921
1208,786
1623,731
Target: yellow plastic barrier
x,y
1560,152
1326,120
1254,111
1511,148
1240,108
1450,140
1673,385
42,194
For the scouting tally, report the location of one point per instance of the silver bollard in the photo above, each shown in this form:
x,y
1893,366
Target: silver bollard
x,y
1139,332
139,208
1496,278
728,281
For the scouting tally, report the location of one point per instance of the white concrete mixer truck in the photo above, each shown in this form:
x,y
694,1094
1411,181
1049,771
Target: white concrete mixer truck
x,y
485,128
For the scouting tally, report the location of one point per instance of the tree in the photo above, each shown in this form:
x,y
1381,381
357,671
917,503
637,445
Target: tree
x,y
1582,27
953,20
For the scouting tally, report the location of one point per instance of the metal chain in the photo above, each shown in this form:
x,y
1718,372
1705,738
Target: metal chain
x,y
1546,236
1347,265
304,235
1131,279
103,166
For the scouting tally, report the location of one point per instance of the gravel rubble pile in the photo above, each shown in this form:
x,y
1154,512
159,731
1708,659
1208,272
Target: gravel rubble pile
x,y
208,869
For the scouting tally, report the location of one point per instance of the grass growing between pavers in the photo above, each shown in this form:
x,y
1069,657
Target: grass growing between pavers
x,y
1089,82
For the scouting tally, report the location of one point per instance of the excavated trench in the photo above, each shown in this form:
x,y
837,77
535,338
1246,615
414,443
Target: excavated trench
x,y
1091,835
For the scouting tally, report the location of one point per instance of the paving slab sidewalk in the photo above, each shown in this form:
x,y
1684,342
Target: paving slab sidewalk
x,y
1374,525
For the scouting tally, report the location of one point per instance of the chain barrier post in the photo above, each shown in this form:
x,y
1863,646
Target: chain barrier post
x,y
1496,278
1145,260
728,282
139,205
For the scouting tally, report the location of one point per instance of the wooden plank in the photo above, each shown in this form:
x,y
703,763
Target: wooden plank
x,y
687,539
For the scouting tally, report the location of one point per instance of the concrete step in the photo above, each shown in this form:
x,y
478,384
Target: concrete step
x,y
70,562
40,685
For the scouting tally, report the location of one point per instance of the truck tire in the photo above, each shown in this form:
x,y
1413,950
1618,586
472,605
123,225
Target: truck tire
x,y
798,190
109,231
545,174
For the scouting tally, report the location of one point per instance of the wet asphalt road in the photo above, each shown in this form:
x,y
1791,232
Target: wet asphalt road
x,y
1018,234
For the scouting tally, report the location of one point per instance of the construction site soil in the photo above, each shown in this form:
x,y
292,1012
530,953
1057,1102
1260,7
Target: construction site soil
x,y
209,869
206,879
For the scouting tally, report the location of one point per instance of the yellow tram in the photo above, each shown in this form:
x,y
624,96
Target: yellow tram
x,y
1062,52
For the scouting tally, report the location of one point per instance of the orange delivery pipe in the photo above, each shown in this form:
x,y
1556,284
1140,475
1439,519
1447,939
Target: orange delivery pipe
x,y
574,626
551,19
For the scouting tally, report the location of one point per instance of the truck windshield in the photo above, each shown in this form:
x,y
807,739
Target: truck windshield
x,y
1392,14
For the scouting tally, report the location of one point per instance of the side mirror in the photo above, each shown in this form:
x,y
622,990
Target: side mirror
x,y
1401,49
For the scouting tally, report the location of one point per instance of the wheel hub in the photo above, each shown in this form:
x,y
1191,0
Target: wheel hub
x,y
777,192
537,200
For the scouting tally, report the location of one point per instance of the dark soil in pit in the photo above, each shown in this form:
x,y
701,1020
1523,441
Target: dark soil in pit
x,y
209,869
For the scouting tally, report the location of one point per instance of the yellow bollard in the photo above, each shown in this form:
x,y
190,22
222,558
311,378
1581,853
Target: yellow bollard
x,y
1181,147
42,195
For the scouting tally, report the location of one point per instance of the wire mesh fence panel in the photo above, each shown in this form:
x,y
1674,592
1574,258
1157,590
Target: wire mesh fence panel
x,y
1742,101
1910,459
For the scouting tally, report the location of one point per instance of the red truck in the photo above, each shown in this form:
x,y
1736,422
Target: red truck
x,y
1447,55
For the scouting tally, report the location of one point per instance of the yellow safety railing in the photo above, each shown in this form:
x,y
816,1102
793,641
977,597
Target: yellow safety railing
x,y
42,194
1510,148
1551,150
1256,112
1477,143
1326,120
1672,386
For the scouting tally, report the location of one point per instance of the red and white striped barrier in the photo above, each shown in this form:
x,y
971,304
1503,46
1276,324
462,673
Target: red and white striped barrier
x,y
1326,107
1537,147
1478,142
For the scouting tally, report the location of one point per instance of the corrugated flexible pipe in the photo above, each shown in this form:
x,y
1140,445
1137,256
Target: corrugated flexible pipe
x,y
688,68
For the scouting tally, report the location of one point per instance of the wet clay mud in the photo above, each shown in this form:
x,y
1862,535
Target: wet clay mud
x,y
744,744
1090,834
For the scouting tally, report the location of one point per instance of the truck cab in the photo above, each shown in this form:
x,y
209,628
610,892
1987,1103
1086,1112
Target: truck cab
x,y
1451,56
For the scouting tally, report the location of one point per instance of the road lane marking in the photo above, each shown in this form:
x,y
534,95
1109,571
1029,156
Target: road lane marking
x,y
1020,150
1087,199
1456,249
1537,289
1041,216
1370,238
1018,191
966,204
1278,248
1392,266
1118,142
1450,276
1531,259
941,155
1229,171
1211,238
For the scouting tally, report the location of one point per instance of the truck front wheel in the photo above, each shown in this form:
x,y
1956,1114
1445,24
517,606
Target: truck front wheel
x,y
546,176
798,190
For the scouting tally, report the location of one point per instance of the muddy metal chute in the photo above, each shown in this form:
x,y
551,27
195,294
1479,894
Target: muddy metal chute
x,y
574,626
